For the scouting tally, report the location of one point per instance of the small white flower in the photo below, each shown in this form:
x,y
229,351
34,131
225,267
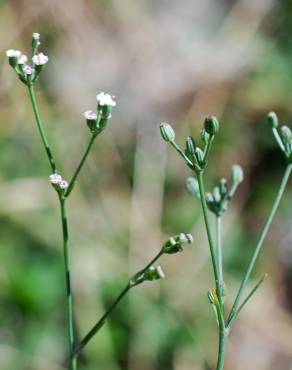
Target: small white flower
x,y
55,178
105,99
63,184
22,59
90,115
160,272
28,70
36,36
13,53
40,59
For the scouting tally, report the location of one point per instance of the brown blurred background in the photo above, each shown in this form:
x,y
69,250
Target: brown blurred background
x,y
164,61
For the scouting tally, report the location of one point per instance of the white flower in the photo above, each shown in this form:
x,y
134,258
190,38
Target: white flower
x,y
40,59
13,53
22,59
90,115
28,70
55,178
63,184
105,99
36,36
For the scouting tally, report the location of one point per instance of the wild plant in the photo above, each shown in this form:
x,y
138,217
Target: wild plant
x,y
96,120
216,202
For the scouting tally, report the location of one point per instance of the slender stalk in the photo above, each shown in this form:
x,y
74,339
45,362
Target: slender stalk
x,y
278,139
102,320
209,235
221,351
81,163
70,323
261,240
219,247
40,128
208,148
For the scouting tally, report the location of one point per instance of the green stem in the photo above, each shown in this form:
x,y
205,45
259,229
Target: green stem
x,y
261,240
102,320
221,351
73,361
79,168
40,128
209,235
219,248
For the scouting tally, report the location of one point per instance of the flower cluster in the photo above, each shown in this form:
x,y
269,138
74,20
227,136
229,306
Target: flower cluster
x,y
28,73
284,138
219,199
174,244
97,120
58,183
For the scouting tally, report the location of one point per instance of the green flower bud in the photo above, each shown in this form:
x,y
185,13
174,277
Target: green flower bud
x,y
236,174
223,187
154,273
174,244
190,146
211,125
167,132
199,154
216,194
209,198
286,134
204,136
272,120
92,121
193,186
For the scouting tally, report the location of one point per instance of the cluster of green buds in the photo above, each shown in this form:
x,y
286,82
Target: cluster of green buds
x,y
219,199
97,120
28,73
174,244
195,157
283,135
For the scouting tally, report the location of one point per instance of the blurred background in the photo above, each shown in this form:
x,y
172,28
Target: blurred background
x,y
164,61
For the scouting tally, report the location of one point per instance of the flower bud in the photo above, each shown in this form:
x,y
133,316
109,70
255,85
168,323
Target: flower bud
x,y
154,273
174,244
13,56
223,187
35,41
272,120
190,147
286,135
199,154
91,120
236,174
211,125
167,132
204,136
216,194
193,186
105,104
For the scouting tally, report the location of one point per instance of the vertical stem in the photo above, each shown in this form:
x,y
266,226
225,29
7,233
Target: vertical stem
x,y
73,361
209,235
219,247
221,351
40,128
261,240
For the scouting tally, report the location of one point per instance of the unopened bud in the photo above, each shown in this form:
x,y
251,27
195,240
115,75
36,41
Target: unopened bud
x,y
211,125
236,174
286,134
167,132
193,186
190,147
174,244
154,273
272,120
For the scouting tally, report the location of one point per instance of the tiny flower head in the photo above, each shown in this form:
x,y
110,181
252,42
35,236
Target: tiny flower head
x,y
154,273
13,53
174,244
28,70
105,99
40,59
211,125
167,132
272,120
55,178
36,36
63,184
22,59
90,115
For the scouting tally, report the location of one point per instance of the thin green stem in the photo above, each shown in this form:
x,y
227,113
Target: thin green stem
x,y
261,240
278,139
81,163
208,148
181,153
219,247
209,235
221,351
102,320
40,128
70,323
